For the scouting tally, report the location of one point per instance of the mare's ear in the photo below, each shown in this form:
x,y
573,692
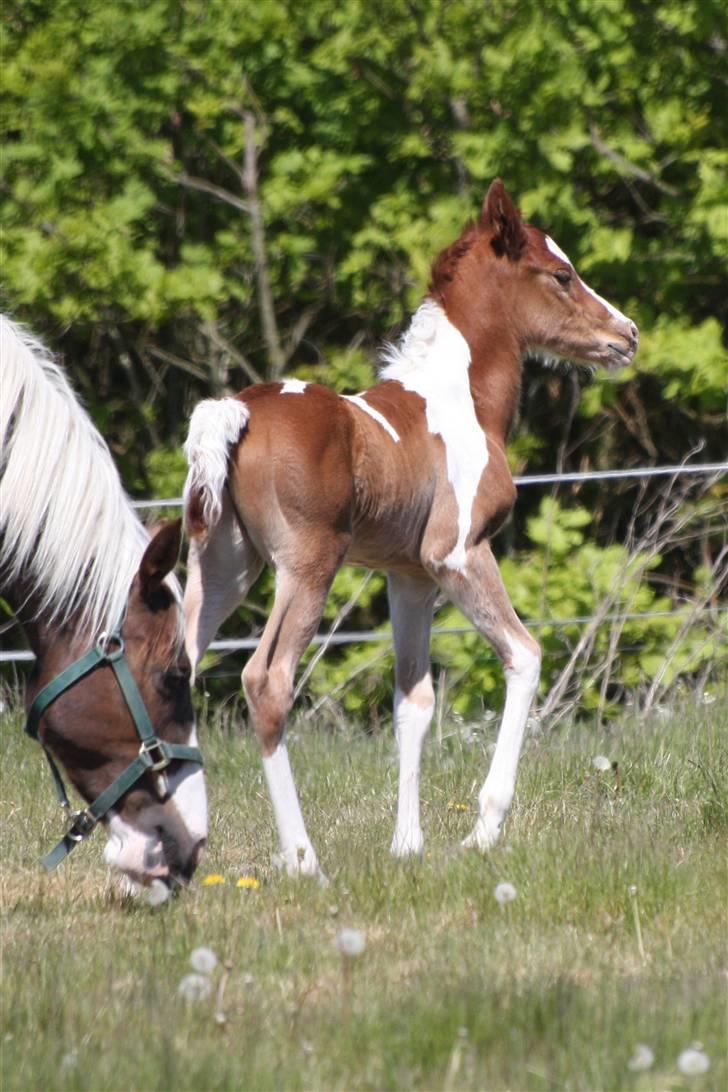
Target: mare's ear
x,y
160,557
501,218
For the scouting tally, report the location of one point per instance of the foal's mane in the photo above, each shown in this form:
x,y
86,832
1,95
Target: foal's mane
x,y
67,527
445,264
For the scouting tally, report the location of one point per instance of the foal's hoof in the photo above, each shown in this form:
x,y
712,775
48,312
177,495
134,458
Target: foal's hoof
x,y
483,837
407,847
301,862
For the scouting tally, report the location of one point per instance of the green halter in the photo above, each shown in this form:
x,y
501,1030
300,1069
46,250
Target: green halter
x,y
154,754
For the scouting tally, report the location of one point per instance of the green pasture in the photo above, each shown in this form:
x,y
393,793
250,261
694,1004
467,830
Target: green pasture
x,y
453,990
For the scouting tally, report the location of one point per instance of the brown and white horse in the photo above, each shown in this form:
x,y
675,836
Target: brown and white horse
x,y
89,588
410,476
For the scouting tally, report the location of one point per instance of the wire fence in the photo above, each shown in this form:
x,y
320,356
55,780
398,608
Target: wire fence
x,y
680,470
225,646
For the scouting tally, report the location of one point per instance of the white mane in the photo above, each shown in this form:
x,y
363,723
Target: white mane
x,y
66,524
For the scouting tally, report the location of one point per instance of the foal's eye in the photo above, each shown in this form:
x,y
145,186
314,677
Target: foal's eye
x,y
563,276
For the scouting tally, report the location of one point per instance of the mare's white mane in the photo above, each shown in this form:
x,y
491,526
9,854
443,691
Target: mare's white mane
x,y
66,524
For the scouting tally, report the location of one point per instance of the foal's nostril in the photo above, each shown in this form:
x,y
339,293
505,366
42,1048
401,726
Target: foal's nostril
x,y
634,332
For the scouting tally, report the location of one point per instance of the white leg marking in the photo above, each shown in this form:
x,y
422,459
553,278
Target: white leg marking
x,y
294,386
358,400
433,361
299,857
411,722
497,792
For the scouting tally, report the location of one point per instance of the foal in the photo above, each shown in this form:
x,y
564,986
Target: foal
x,y
410,476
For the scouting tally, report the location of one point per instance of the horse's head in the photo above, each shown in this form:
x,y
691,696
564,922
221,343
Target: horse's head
x,y
159,826
543,302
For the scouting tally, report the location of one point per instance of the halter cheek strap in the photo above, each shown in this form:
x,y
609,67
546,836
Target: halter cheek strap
x,y
154,754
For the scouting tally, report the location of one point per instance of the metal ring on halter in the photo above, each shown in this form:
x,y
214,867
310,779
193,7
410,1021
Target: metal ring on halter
x,y
106,640
83,824
148,747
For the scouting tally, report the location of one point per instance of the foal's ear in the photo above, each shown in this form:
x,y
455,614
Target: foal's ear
x,y
160,557
502,219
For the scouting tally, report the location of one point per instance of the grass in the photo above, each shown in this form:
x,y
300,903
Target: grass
x,y
453,990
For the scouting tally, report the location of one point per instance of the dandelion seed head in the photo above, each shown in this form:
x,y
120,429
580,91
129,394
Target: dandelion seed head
x,y
642,1058
203,960
601,763
350,942
632,889
693,1061
504,893
195,987
157,893
69,1061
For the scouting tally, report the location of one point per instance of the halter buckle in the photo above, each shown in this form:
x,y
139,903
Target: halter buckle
x,y
154,747
82,825
105,643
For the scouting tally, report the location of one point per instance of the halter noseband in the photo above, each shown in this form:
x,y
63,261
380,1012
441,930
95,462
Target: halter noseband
x,y
154,754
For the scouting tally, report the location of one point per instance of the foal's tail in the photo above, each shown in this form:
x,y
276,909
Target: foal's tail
x,y
215,426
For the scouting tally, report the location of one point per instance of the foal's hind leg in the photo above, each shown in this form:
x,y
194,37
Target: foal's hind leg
x,y
411,601
268,681
477,589
220,569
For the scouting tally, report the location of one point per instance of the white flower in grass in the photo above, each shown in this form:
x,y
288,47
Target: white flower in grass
x,y
505,892
708,697
157,893
601,763
195,987
642,1058
693,1061
203,960
350,942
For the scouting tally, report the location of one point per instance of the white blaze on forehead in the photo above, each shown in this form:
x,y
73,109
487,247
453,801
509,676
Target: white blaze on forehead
x,y
358,400
294,386
558,252
433,360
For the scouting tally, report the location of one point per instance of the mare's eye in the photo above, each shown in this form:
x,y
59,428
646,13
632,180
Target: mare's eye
x,y
563,276
175,678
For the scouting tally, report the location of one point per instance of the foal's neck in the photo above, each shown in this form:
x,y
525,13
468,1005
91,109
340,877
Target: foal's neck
x,y
496,360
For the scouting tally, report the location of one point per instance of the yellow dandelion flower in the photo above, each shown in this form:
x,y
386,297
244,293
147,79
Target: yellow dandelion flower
x,y
453,805
248,881
212,880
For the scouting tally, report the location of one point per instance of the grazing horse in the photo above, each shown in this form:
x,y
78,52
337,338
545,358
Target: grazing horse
x,y
109,697
410,476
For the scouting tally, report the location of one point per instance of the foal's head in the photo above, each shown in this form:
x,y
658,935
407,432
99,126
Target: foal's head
x,y
543,306
159,827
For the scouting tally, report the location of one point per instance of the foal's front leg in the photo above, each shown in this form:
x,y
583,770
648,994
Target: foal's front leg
x,y
477,589
411,602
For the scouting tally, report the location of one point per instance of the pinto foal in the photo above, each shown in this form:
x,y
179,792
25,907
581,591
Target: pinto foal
x,y
409,476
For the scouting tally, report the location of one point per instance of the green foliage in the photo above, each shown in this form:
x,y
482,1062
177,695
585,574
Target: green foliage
x,y
126,230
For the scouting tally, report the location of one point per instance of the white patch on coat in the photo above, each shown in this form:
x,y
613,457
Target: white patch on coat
x,y
189,796
358,400
294,386
613,311
215,425
140,856
433,360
